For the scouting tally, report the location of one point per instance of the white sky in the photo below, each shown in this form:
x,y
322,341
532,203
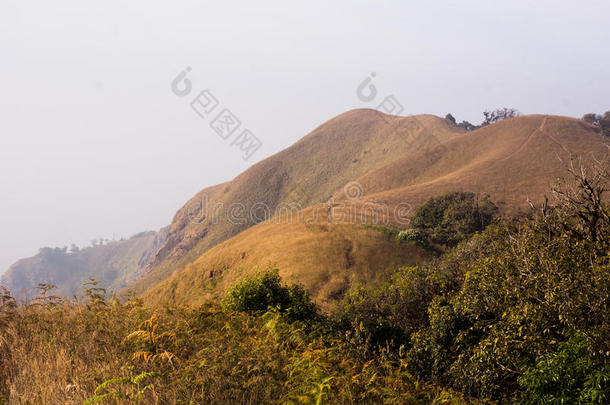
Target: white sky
x,y
93,143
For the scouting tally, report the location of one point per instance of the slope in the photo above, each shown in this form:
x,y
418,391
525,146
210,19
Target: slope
x,y
327,258
308,172
515,161
114,264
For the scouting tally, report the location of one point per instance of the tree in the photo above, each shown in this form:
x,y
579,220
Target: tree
x,y
264,291
453,217
591,118
467,126
499,115
583,199
600,120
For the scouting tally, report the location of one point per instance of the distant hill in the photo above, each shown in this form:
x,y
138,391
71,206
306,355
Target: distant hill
x,y
114,264
393,160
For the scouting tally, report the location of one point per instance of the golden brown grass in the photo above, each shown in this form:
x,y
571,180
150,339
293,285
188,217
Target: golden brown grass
x,y
308,172
58,352
397,160
515,161
99,351
326,258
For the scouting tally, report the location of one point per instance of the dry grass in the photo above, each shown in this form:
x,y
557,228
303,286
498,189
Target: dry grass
x,y
308,172
397,160
326,258
105,352
54,352
514,161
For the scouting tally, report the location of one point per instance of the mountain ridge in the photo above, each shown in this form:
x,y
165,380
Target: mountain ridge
x,y
391,163
307,172
515,161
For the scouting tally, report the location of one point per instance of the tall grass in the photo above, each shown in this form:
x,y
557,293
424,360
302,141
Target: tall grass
x,y
99,350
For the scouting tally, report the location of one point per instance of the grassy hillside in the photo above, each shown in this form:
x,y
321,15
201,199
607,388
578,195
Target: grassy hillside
x,y
513,161
396,161
518,313
308,172
326,258
115,264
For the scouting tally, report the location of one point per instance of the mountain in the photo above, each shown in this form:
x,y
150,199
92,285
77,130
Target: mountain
x,y
359,161
308,172
114,264
361,167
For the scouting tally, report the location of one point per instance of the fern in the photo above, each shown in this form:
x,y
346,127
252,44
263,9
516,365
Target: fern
x,y
135,391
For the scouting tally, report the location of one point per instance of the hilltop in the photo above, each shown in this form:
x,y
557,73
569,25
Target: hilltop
x,y
308,172
395,163
371,168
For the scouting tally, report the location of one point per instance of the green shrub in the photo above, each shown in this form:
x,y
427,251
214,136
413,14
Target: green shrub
x,y
265,291
412,235
454,217
535,284
388,313
566,376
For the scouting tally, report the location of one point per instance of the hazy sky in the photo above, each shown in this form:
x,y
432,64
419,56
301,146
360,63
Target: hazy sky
x,y
93,143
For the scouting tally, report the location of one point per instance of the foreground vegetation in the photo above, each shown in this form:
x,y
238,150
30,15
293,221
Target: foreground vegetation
x,y
517,313
99,351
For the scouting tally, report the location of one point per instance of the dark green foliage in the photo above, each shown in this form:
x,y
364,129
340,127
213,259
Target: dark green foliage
x,y
467,126
518,313
566,376
519,300
454,217
389,313
495,116
265,291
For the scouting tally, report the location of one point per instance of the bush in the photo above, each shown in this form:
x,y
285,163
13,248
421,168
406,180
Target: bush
x,y
517,313
600,120
540,282
567,376
265,291
412,235
454,217
467,125
389,313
